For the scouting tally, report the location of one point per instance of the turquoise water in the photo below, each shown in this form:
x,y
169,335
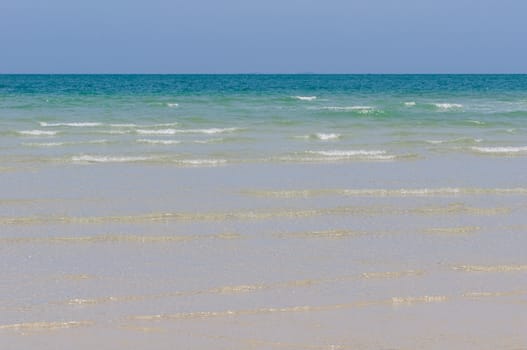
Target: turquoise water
x,y
210,120
263,212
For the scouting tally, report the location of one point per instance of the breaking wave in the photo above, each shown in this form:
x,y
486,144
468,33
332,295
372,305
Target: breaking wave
x,y
37,133
447,106
108,159
159,142
202,162
501,150
305,98
77,124
185,131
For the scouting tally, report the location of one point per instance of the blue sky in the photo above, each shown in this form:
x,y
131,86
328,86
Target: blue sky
x,y
272,36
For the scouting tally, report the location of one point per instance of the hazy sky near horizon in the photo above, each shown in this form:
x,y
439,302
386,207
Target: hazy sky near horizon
x,y
272,36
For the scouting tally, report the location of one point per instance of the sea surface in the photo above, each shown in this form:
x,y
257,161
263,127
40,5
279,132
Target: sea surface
x,y
263,211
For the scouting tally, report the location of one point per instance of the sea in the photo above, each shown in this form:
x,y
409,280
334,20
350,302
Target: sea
x,y
263,211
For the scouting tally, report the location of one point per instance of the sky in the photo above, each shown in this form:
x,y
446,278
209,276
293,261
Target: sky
x,y
265,36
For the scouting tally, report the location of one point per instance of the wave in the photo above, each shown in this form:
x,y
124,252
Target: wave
x,y
108,159
391,274
157,132
39,326
185,131
115,132
210,131
159,124
331,234
305,98
369,211
381,192
172,105
423,299
344,157
58,144
352,153
124,125
325,137
493,294
320,136
132,125
94,141
436,142
463,230
500,150
448,105
457,140
242,288
159,142
291,309
409,104
113,125
491,268
44,144
76,124
119,238
358,109
37,133
202,162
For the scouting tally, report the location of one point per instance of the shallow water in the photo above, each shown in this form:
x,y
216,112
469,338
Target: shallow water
x,y
236,212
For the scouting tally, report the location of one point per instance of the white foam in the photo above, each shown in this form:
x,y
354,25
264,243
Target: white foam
x,y
500,150
202,162
76,124
478,122
305,98
349,108
210,131
107,159
460,139
37,133
385,192
381,157
131,125
185,131
57,144
352,153
336,155
172,105
326,137
448,105
410,192
159,142
157,132
409,104
320,136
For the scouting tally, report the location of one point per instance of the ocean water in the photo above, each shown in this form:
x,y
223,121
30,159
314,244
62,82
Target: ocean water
x,y
263,211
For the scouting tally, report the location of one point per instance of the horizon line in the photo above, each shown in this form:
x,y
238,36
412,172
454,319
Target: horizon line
x,y
260,73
